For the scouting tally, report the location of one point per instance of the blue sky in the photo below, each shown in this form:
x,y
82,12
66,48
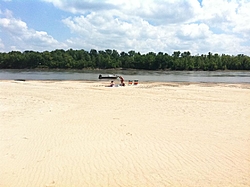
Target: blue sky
x,y
217,26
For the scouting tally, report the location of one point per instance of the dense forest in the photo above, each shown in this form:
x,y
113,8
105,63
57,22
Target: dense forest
x,y
108,59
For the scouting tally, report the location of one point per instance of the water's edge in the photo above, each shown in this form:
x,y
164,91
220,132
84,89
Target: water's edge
x,y
146,76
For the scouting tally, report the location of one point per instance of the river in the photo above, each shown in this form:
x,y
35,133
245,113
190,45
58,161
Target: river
x,y
141,75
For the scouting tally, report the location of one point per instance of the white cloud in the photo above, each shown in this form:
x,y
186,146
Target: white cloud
x,y
220,26
226,15
23,38
159,12
194,31
217,11
78,6
104,31
162,25
242,19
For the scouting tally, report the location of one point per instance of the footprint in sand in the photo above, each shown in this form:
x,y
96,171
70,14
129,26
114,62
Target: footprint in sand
x,y
129,134
53,183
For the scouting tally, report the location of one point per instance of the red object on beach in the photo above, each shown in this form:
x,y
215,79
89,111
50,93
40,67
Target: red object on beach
x,y
135,82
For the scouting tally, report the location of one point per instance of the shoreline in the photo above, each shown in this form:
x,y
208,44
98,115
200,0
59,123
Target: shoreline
x,y
117,80
146,76
140,84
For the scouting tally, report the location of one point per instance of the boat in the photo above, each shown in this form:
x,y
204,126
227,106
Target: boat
x,y
108,76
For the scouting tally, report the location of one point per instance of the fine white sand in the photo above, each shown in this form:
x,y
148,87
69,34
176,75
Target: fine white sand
x,y
75,133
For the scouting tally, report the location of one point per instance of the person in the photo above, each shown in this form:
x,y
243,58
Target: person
x,y
112,84
122,81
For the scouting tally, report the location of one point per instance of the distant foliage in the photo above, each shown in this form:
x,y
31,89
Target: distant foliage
x,y
108,59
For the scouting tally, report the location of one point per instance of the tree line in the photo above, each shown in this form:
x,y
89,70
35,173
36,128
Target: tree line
x,y
108,59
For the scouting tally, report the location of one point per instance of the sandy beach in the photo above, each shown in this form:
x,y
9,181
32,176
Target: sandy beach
x,y
83,134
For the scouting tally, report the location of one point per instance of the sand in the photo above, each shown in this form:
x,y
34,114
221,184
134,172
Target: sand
x,y
76,133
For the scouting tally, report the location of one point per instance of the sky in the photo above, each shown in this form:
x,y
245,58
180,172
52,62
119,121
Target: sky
x,y
197,26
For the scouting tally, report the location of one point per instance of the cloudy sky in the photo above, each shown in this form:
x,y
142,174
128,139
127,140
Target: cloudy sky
x,y
198,26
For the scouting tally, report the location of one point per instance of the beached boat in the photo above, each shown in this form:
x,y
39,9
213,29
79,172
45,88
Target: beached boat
x,y
108,77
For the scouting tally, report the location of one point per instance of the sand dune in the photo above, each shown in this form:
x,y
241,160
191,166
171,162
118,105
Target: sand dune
x,y
72,133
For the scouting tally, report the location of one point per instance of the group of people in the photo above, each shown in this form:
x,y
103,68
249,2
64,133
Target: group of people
x,y
112,84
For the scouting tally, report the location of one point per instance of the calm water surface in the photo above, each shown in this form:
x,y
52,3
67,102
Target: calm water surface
x,y
149,76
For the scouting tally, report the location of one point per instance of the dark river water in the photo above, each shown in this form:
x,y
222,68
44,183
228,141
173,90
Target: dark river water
x,y
148,76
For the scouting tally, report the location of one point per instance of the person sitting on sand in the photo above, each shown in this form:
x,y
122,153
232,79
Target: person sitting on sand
x,y
112,84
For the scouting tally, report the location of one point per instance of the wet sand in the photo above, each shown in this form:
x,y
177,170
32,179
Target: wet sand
x,y
75,133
